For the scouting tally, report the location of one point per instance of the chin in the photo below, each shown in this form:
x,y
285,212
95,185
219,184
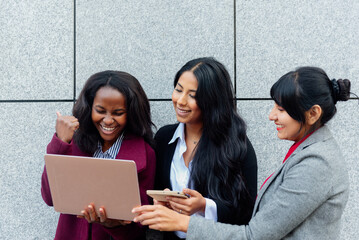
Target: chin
x,y
181,120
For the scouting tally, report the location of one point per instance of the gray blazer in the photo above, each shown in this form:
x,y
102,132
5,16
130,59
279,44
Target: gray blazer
x,y
304,198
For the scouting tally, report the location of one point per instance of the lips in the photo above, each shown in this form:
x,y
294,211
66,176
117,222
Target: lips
x,y
107,130
279,127
182,112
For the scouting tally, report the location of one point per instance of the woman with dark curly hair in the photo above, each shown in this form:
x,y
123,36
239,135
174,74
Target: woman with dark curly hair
x,y
111,119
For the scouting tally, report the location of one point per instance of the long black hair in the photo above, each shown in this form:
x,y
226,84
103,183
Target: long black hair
x,y
216,165
137,105
297,91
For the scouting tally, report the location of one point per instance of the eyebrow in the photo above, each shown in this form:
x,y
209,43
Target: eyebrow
x,y
191,90
116,110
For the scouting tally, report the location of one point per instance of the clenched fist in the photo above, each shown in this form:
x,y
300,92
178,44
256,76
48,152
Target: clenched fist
x,y
66,127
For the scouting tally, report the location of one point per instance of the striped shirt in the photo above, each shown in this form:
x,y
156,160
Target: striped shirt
x,y
112,152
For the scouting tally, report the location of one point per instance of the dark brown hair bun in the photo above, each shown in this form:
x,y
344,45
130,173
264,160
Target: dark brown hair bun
x,y
341,89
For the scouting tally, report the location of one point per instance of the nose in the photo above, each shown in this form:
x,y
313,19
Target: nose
x,y
182,100
272,115
108,119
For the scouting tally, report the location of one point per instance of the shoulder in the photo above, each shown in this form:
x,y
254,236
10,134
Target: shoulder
x,y
250,148
250,154
166,132
320,155
136,142
321,144
137,149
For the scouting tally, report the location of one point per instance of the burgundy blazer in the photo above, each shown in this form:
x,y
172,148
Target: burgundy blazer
x,y
69,226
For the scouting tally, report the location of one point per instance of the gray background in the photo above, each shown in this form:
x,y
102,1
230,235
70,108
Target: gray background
x,y
49,48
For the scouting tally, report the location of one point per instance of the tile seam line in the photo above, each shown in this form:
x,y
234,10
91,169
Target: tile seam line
x,y
235,49
74,56
151,100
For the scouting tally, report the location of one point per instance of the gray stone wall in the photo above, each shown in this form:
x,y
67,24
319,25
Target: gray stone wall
x,y
49,49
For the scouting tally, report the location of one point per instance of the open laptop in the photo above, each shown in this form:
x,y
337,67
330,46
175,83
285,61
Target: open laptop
x,y
75,182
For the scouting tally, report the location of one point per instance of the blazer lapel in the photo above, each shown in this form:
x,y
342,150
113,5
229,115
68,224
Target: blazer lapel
x,y
266,185
320,134
167,162
133,148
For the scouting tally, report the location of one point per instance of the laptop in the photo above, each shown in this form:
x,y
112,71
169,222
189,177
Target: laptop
x,y
75,182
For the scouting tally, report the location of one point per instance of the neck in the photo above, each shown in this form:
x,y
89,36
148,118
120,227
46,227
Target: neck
x,y
106,146
308,132
193,132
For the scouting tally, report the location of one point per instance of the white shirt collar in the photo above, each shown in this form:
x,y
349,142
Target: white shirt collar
x,y
179,133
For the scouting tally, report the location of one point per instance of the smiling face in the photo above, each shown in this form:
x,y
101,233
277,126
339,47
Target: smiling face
x,y
109,115
184,102
287,127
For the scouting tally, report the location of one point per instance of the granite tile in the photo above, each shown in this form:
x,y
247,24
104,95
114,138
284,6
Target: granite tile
x,y
26,129
162,113
275,37
345,128
151,39
36,50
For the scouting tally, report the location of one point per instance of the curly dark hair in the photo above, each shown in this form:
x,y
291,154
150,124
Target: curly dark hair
x,y
137,105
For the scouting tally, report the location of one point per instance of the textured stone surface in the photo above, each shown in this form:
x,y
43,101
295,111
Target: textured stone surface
x,y
36,50
163,113
275,37
346,131
26,129
151,40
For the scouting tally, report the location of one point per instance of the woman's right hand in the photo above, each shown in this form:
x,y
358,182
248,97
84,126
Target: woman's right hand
x,y
195,203
66,127
161,218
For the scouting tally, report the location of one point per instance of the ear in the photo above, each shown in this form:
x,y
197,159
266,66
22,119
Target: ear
x,y
313,115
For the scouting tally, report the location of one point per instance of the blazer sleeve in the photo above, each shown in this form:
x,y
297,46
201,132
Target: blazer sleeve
x,y
146,178
201,228
56,146
164,156
250,171
159,149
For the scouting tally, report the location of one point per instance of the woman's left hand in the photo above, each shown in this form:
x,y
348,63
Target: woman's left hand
x,y
91,216
161,218
195,203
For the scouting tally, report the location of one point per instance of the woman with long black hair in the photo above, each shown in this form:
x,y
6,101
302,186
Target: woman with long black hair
x,y
207,155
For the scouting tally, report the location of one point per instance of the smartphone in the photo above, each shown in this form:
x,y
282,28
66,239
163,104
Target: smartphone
x,y
161,195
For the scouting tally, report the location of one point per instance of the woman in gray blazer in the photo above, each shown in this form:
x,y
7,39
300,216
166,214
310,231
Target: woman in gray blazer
x,y
305,197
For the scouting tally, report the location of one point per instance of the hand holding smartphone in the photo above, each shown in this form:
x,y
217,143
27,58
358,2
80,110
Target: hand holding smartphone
x,y
161,195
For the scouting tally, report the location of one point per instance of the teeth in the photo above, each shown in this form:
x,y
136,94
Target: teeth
x,y
280,126
183,111
107,129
